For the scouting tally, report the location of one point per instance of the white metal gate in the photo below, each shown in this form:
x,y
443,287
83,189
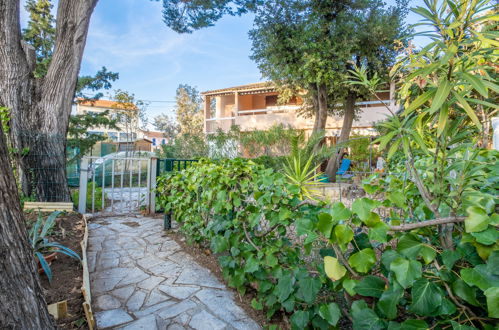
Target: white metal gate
x,y
114,184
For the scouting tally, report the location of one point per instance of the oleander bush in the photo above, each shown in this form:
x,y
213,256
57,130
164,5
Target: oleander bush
x,y
421,249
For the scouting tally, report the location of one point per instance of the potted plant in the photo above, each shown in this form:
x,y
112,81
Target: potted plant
x,y
44,250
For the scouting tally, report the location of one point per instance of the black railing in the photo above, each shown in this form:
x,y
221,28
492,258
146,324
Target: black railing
x,y
173,164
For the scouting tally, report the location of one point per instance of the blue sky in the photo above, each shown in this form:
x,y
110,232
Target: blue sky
x,y
129,37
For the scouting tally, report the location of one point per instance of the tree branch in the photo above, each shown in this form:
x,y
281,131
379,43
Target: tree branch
x,y
434,222
248,238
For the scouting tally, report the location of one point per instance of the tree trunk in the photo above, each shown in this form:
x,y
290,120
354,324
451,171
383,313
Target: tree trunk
x,y
321,108
22,303
333,163
40,107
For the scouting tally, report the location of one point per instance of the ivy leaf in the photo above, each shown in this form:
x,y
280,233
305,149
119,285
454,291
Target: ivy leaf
x,y
365,318
370,286
308,287
428,253
219,244
387,258
458,326
363,260
389,300
426,297
465,292
334,270
477,219
349,285
450,257
256,304
363,206
492,295
409,245
330,312
446,308
300,319
406,271
378,232
493,263
252,265
325,224
342,234
414,325
487,237
479,276
284,287
340,212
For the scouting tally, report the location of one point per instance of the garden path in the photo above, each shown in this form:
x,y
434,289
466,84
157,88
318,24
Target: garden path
x,y
141,279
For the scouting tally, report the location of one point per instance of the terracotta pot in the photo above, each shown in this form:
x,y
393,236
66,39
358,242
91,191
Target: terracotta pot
x,y
48,258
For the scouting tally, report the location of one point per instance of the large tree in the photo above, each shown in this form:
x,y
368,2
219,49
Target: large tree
x,y
42,106
311,45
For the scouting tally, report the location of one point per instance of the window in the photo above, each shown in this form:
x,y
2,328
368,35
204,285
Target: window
x,y
154,141
270,100
163,141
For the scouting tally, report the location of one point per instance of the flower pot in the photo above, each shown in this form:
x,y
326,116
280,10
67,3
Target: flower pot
x,y
48,258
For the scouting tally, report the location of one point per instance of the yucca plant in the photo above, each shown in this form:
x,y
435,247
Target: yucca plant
x,y
42,246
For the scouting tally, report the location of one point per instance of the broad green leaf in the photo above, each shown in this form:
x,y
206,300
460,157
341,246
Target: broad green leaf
x,y
334,270
493,263
256,304
393,149
378,232
414,325
349,286
459,326
465,292
426,297
410,246
252,265
219,244
342,234
450,257
428,253
469,111
365,318
284,287
371,286
443,91
389,300
300,320
477,219
387,258
492,295
363,260
487,237
340,212
406,271
476,83
479,276
363,206
325,224
330,312
308,287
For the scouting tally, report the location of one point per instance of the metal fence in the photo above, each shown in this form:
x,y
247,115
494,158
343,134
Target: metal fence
x,y
173,164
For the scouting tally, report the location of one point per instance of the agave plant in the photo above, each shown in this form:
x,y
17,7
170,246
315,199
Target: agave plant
x,y
300,166
42,246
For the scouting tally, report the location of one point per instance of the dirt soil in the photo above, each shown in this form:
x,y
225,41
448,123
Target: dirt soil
x,y
205,258
66,272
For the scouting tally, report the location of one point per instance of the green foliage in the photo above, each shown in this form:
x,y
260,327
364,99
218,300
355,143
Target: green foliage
x,y
42,246
75,195
40,33
78,131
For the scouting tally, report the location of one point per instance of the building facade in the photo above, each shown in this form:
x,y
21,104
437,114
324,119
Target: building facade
x,y
255,107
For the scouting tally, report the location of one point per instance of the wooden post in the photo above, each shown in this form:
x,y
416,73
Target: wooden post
x,y
82,198
236,104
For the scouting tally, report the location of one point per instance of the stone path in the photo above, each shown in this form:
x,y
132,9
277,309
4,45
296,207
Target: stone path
x,y
141,279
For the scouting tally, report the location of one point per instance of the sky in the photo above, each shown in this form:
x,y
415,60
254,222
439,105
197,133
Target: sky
x,y
129,37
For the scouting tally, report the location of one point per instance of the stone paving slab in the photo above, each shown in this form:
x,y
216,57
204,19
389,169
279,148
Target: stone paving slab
x,y
141,279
